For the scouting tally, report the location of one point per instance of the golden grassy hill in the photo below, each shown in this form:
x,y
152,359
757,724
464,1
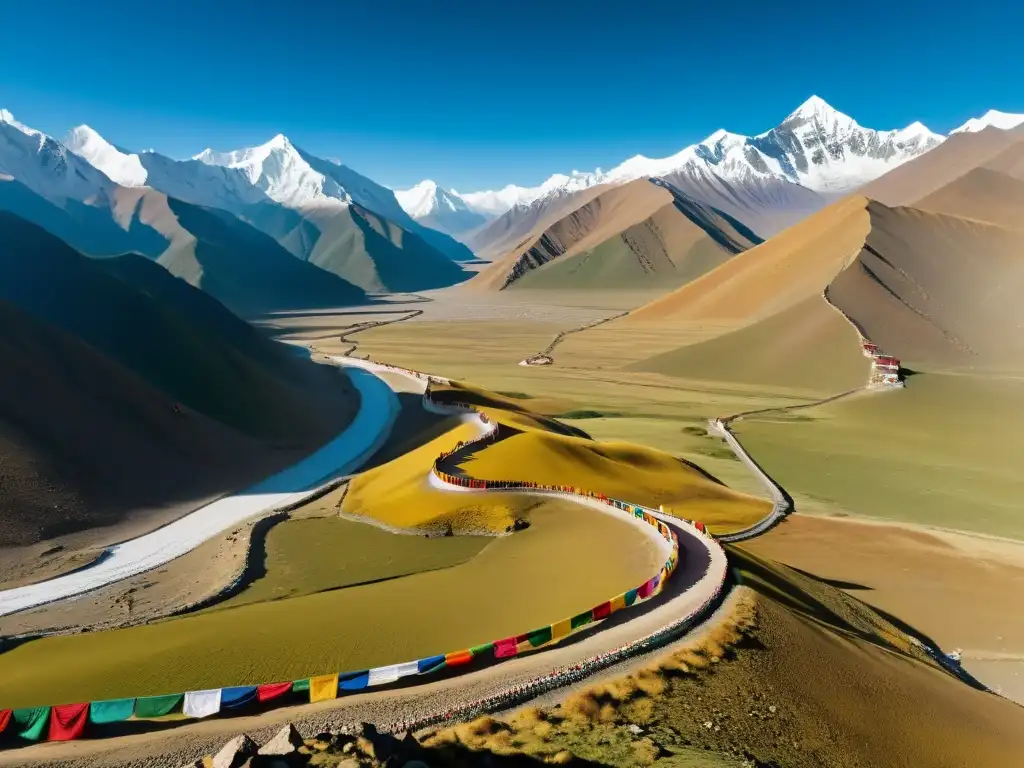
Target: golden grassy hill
x,y
540,449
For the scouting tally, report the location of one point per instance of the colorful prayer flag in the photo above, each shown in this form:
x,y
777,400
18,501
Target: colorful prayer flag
x,y
67,721
323,687
111,711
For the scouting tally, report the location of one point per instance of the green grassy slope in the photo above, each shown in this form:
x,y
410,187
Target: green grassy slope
x,y
937,453
347,629
378,255
656,252
246,269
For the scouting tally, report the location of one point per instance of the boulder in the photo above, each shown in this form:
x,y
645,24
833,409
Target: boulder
x,y
286,742
235,752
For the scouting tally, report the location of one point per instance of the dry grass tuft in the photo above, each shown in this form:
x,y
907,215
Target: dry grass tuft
x,y
589,717
645,752
630,698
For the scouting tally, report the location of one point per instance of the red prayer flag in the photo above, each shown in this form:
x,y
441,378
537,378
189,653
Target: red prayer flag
x,y
67,721
505,648
272,690
603,611
5,718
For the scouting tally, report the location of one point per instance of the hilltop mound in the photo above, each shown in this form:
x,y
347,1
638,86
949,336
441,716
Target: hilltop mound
x,y
936,290
636,235
541,449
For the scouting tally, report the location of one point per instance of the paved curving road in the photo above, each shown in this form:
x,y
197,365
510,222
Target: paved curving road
x,y
378,410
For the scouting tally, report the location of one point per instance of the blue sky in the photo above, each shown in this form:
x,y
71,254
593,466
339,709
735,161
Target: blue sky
x,y
480,94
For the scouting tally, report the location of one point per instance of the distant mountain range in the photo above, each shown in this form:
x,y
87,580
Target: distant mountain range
x,y
768,181
231,223
271,227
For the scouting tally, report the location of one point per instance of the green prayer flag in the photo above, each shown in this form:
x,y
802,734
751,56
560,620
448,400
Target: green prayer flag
x,y
480,650
631,596
157,706
539,637
111,711
581,619
300,686
33,722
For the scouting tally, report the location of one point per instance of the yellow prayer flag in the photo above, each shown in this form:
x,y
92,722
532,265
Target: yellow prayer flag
x,y
561,629
323,688
618,603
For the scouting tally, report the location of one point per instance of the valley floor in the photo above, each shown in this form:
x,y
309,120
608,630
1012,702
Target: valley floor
x,y
911,462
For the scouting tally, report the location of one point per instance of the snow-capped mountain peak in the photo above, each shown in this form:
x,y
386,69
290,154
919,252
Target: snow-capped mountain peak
x,y
440,208
991,119
816,108
122,167
296,179
282,171
46,166
7,117
425,198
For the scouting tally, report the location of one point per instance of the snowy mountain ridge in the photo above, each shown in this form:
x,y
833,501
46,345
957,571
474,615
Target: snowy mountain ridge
x,y
991,119
815,146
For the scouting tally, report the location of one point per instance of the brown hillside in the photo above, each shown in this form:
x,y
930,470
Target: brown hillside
x,y
954,157
938,291
586,226
85,442
515,227
639,235
240,266
1011,160
983,195
808,346
783,271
